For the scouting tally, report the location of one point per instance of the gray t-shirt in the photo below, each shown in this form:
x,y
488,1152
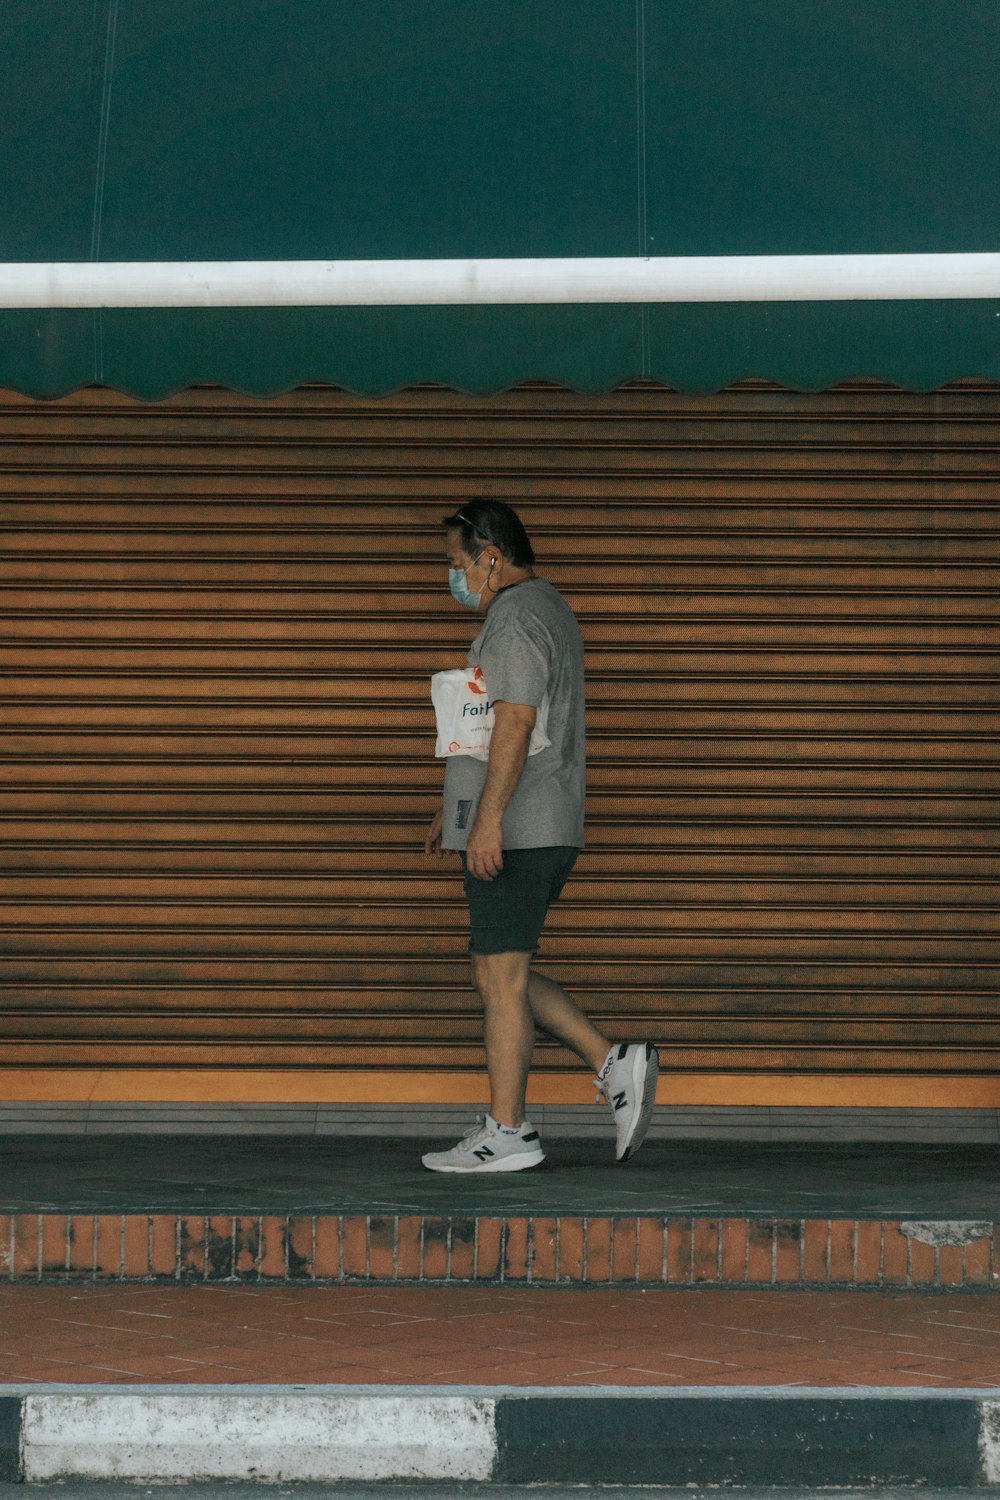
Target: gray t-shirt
x,y
530,644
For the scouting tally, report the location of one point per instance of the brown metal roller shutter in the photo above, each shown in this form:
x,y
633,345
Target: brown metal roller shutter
x,y
220,616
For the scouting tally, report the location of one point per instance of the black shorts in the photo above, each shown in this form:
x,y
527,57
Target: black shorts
x,y
506,914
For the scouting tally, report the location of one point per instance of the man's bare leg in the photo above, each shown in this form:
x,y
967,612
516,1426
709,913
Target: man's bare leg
x,y
558,1013
508,1030
515,999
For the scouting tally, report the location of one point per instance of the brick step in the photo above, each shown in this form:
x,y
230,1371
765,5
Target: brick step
x,y
545,1250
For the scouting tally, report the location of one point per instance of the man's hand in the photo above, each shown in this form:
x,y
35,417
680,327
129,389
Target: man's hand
x,y
513,723
484,854
432,843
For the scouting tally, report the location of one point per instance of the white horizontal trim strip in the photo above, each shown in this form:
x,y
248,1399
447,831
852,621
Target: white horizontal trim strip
x,y
385,283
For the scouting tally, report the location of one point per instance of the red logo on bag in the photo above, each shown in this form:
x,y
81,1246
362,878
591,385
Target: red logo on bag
x,y
477,678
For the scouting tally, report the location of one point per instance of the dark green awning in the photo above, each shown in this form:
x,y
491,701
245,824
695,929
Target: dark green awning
x,y
695,347
297,129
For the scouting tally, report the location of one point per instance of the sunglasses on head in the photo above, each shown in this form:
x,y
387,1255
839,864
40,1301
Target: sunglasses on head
x,y
461,516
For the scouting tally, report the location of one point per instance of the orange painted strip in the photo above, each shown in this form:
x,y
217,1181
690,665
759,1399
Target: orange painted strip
x,y
213,1086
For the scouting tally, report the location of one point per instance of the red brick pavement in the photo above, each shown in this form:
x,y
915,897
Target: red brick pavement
x,y
496,1335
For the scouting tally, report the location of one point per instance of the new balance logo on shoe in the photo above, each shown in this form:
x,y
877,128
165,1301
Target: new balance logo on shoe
x,y
489,1147
619,1100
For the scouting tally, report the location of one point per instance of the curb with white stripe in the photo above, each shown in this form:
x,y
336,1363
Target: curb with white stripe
x,y
603,1435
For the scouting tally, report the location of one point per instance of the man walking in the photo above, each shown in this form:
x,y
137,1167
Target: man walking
x,y
517,822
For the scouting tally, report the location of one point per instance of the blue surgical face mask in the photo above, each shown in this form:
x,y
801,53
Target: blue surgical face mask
x,y
459,586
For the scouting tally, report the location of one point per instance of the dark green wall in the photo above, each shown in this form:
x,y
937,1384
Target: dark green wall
x,y
215,129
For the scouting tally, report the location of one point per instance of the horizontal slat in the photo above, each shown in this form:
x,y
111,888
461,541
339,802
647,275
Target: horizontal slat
x,y
289,895
248,1030
61,756
524,488
433,926
778,982
96,600
350,452
637,416
972,569
321,805
30,636
309,548
775,937
170,699
709,1010
320,662
66,756
604,902
553,530
591,480
675,722
208,838
274,784
434,1058
32,869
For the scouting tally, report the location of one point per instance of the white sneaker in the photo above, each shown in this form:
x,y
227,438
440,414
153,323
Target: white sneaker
x,y
628,1083
486,1148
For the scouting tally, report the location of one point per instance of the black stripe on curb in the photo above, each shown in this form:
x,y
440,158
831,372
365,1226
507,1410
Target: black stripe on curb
x,y
818,1441
10,1437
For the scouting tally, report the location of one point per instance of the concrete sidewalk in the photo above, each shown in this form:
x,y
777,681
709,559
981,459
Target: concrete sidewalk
x,y
350,1175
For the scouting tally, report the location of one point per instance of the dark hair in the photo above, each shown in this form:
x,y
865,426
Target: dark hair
x,y
479,522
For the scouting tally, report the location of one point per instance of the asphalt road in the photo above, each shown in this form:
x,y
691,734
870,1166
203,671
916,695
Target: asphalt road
x,y
369,1491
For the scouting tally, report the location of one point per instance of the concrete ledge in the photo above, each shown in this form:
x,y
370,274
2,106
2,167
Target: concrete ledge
x,y
556,1121
689,1436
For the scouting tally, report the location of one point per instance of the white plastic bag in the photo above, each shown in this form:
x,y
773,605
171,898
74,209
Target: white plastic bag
x,y
465,718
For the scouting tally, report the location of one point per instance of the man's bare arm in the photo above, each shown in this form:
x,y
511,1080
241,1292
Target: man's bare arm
x,y
512,726
432,843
